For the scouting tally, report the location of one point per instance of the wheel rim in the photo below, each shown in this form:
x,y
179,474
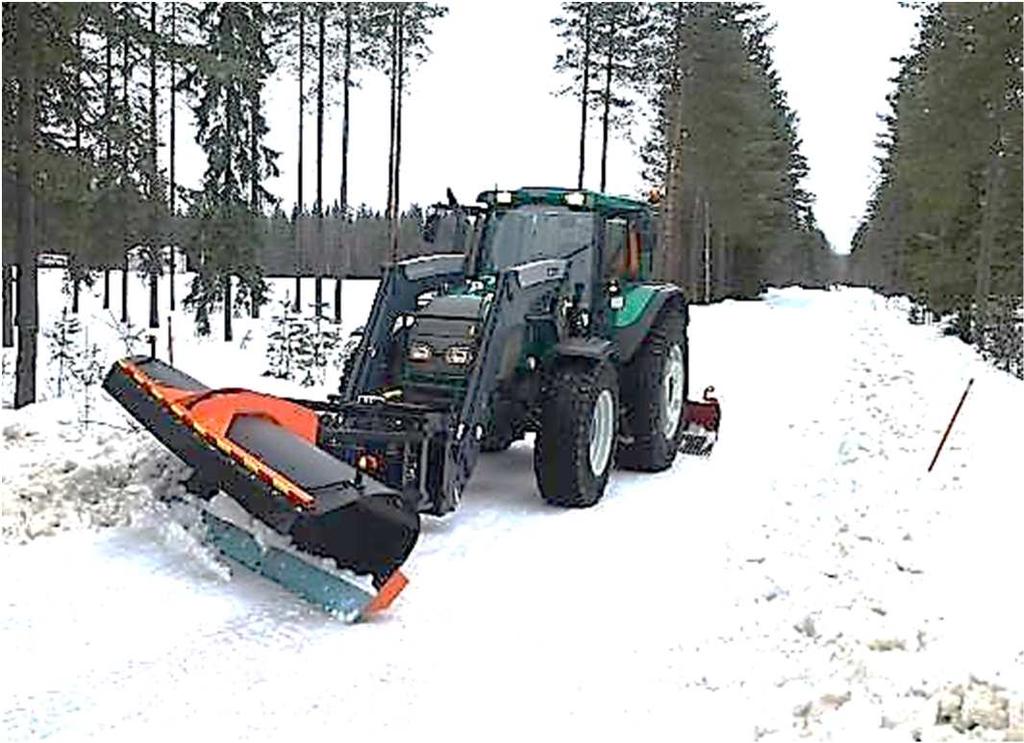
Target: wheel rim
x,y
672,391
602,425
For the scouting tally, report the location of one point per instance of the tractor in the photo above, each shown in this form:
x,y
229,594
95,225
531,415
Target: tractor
x,y
549,322
538,314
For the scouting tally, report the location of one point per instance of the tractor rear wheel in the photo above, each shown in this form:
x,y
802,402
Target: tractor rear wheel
x,y
575,445
654,389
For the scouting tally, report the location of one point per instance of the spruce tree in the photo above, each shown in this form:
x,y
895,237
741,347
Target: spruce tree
x,y
576,29
944,222
227,230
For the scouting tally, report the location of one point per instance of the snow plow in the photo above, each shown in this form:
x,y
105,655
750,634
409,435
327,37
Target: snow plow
x,y
262,451
544,320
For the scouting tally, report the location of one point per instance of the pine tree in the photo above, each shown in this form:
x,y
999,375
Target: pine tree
x,y
576,29
944,222
227,231
42,62
399,33
294,33
618,31
724,145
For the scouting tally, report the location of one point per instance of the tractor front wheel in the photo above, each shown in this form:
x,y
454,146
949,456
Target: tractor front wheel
x,y
575,446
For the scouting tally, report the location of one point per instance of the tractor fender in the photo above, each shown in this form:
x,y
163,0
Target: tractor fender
x,y
629,337
595,349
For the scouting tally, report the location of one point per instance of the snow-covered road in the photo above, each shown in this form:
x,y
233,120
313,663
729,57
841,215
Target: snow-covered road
x,y
809,579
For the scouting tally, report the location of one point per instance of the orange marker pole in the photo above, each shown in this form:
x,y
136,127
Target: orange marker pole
x,y
950,426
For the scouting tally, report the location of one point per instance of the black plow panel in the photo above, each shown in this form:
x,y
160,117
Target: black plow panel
x,y
355,520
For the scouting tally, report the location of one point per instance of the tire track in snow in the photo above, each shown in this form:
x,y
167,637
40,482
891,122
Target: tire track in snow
x,y
733,598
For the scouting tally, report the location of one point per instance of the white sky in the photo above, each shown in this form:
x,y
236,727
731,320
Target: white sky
x,y
835,62
480,111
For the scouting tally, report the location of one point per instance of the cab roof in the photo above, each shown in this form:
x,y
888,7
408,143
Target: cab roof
x,y
555,196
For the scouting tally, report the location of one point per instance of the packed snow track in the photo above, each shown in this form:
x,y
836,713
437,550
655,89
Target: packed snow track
x,y
808,580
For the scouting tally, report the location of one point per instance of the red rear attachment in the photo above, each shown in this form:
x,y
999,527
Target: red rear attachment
x,y
702,420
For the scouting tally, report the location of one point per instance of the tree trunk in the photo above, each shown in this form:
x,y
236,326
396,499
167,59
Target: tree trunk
x,y
691,259
672,204
108,112
337,298
709,261
398,137
254,183
28,295
983,264
8,305
318,290
231,103
724,284
346,81
74,264
125,118
124,287
228,333
607,105
302,109
584,100
171,267
156,248
393,76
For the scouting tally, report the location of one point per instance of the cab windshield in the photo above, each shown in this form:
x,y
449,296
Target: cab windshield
x,y
529,233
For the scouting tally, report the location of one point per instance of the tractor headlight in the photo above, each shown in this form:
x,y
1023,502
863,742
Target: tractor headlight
x,y
420,352
575,198
458,355
503,197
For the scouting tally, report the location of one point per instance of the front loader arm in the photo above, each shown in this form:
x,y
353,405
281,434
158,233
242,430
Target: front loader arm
x,y
518,289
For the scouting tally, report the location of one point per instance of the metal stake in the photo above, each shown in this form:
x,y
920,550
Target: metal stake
x,y
950,426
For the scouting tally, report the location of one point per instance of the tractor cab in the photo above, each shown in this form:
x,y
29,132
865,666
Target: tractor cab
x,y
603,244
509,228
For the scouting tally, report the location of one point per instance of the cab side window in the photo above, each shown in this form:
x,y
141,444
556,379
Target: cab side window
x,y
615,247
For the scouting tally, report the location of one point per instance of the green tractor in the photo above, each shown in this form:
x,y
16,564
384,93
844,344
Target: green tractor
x,y
547,320
544,318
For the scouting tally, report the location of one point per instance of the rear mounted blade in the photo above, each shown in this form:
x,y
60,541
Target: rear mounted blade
x,y
702,420
262,451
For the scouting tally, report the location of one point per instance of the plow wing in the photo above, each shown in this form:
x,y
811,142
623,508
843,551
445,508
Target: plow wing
x,y
262,451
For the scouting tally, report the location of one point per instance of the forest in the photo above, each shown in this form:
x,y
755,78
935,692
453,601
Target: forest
x,y
83,85
721,144
93,93
944,223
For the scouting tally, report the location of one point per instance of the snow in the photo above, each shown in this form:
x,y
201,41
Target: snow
x,y
809,580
